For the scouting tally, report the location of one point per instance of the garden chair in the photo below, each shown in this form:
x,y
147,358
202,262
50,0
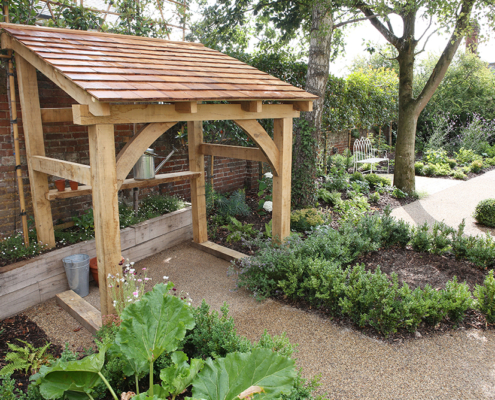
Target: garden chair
x,y
364,153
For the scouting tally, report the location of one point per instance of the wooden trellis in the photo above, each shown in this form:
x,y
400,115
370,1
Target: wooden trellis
x,y
156,82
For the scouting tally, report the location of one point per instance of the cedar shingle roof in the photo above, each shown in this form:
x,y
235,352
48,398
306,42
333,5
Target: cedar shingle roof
x,y
127,68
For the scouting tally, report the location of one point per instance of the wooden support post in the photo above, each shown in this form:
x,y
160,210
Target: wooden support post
x,y
35,146
282,136
197,164
105,208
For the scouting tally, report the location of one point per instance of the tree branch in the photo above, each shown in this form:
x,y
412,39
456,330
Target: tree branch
x,y
446,58
387,34
426,41
426,30
352,21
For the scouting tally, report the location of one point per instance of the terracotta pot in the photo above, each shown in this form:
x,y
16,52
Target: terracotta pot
x,y
73,185
60,184
93,267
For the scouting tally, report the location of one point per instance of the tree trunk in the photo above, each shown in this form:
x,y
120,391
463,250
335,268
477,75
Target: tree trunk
x,y
308,132
404,175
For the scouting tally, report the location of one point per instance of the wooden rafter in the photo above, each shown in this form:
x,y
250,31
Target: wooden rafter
x,y
64,169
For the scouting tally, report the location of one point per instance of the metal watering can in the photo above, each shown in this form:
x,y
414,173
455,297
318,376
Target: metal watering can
x,y
145,166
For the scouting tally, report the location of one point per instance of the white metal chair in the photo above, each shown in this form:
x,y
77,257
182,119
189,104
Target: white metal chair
x,y
364,153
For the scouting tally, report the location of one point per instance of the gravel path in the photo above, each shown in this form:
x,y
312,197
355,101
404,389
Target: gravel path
x,y
458,365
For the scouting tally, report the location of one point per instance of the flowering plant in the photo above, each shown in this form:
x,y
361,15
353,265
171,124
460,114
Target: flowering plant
x,y
128,287
265,189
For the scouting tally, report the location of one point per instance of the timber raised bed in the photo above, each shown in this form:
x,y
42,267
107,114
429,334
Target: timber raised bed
x,y
27,283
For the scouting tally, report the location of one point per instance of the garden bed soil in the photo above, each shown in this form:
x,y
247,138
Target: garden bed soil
x,y
21,327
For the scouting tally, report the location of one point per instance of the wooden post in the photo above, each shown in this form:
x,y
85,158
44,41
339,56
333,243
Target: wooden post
x,y
282,136
197,164
105,208
35,146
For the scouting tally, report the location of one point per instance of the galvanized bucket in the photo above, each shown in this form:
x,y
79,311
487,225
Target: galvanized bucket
x,y
77,271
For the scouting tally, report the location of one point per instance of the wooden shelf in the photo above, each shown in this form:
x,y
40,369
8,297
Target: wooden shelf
x,y
128,184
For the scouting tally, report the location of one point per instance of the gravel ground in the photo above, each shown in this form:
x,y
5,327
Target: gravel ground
x,y
457,365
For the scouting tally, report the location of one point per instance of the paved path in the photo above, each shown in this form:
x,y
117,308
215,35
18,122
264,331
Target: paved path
x,y
450,201
458,365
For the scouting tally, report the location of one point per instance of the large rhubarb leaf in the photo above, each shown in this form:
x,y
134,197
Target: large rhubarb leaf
x,y
156,323
226,378
180,375
74,376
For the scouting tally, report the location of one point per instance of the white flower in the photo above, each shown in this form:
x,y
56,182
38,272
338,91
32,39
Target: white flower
x,y
165,277
268,206
269,175
115,303
132,270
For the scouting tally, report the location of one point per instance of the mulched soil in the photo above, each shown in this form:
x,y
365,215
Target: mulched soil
x,y
419,269
21,327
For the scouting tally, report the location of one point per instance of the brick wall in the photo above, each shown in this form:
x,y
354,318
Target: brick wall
x,y
70,142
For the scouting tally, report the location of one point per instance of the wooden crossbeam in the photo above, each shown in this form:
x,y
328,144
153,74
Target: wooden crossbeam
x,y
255,106
64,169
54,194
148,113
238,152
50,115
301,105
259,136
80,95
188,107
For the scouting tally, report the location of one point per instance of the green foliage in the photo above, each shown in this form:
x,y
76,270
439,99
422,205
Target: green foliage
x,y
398,194
458,174
332,198
476,166
484,212
485,297
226,378
357,176
374,197
457,298
8,391
233,206
12,248
156,205
178,377
304,220
27,358
466,156
352,210
214,334
436,156
238,230
419,168
376,180
85,222
420,239
480,250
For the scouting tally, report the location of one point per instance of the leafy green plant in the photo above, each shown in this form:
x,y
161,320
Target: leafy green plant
x,y
375,180
12,248
440,238
476,166
8,391
484,212
398,194
353,209
238,230
332,198
466,156
458,174
485,297
303,220
232,206
265,190
374,197
226,378
86,221
458,299
180,375
420,240
436,156
156,205
419,168
27,359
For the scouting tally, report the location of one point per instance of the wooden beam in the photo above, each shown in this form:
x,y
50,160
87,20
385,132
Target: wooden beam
x,y
238,152
105,208
83,312
188,107
77,93
255,106
197,164
148,113
135,148
219,251
54,194
282,136
35,146
301,105
259,136
64,169
50,115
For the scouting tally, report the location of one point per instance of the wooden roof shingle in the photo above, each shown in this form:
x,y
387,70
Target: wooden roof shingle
x,y
121,68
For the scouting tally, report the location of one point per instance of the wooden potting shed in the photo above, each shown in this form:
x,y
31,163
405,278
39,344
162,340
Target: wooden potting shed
x,y
119,79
